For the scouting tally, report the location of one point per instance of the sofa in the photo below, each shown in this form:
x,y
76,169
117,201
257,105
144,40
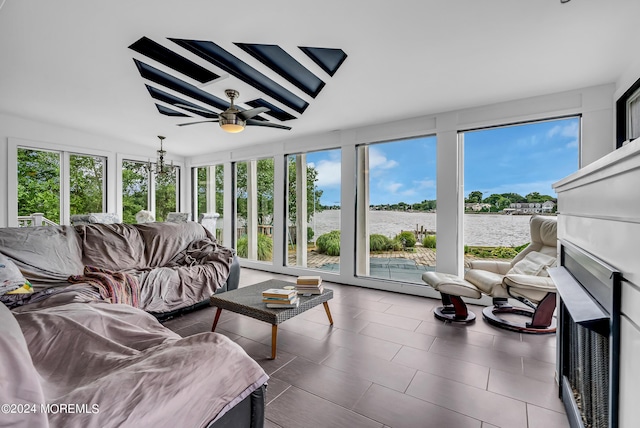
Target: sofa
x,y
176,266
69,357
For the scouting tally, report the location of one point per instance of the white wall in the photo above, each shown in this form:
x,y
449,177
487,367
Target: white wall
x,y
45,135
595,104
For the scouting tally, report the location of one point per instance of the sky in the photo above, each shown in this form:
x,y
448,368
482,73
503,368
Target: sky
x,y
512,159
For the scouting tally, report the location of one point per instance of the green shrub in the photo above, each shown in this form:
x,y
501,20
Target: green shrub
x,y
265,247
503,253
310,234
395,244
329,243
493,253
407,239
429,241
379,242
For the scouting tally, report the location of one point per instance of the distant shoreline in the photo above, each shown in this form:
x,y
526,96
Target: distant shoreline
x,y
488,230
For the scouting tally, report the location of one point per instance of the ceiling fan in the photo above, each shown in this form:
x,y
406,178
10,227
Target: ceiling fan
x,y
233,120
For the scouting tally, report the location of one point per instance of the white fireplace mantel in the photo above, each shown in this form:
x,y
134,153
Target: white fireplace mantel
x,y
599,211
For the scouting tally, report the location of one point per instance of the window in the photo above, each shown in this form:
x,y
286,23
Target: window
x,y
42,188
145,190
166,193
135,189
254,209
396,205
633,116
39,183
209,194
508,173
313,210
87,190
628,115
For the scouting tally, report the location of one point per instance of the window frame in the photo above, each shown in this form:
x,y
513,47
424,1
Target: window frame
x,y
622,113
65,152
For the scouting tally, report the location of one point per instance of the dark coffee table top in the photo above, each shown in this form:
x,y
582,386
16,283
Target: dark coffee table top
x,y
248,301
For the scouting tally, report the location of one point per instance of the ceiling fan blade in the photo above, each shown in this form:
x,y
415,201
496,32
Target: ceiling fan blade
x,y
193,108
253,122
248,114
200,121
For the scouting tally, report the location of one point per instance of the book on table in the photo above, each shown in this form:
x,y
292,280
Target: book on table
x,y
275,304
285,299
310,290
279,293
309,280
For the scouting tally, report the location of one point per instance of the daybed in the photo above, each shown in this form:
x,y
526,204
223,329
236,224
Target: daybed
x,y
70,361
70,358
176,265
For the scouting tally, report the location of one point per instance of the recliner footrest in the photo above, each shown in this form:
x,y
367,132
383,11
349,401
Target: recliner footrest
x,y
451,284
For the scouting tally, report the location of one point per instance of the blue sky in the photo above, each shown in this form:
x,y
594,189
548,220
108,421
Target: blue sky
x,y
519,159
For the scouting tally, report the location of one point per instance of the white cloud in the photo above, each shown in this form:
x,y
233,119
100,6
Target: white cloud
x,y
378,160
425,184
329,173
572,144
391,187
568,130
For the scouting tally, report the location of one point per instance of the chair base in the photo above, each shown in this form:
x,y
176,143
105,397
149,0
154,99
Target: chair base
x,y
444,313
454,309
491,315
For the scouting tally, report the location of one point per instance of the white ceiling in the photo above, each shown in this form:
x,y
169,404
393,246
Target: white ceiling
x,y
67,61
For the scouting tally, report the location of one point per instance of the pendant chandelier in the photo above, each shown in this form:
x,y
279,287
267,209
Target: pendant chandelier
x,y
160,167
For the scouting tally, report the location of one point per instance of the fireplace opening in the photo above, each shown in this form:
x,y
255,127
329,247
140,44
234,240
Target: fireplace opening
x,y
588,337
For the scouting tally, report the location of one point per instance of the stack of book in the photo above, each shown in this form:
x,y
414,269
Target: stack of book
x,y
280,298
309,285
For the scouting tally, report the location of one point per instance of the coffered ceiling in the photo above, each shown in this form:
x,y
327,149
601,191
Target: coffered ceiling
x,y
120,68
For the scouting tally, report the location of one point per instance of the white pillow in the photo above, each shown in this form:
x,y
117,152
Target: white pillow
x,y
534,263
10,276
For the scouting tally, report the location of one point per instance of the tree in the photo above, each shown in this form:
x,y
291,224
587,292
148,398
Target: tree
x,y
39,183
474,197
514,197
135,189
86,184
265,190
313,193
166,194
537,197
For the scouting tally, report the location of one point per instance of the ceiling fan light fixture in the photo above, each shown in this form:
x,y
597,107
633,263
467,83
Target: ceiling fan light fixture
x,y
231,123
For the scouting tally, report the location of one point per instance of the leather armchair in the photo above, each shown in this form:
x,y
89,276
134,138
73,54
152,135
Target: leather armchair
x,y
525,278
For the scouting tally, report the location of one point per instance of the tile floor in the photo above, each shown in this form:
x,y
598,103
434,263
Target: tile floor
x,y
387,362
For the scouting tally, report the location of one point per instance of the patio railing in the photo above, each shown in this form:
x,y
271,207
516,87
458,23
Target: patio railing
x,y
35,219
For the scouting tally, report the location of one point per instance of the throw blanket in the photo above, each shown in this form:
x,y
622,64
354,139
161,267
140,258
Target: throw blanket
x,y
115,287
201,252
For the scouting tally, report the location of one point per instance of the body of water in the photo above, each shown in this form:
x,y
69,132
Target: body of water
x,y
479,229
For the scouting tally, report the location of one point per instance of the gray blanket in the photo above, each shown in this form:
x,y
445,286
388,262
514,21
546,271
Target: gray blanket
x,y
124,369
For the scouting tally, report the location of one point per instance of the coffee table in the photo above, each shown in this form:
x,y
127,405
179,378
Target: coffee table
x,y
248,301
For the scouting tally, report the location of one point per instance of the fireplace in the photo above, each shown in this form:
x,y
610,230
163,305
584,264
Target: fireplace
x,y
588,337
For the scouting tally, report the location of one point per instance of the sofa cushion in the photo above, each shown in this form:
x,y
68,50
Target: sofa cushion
x,y
163,241
45,254
114,247
19,379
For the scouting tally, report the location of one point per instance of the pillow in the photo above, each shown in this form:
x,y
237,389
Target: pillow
x,y
11,278
534,264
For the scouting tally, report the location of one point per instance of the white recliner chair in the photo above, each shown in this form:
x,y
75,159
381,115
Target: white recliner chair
x,y
525,278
